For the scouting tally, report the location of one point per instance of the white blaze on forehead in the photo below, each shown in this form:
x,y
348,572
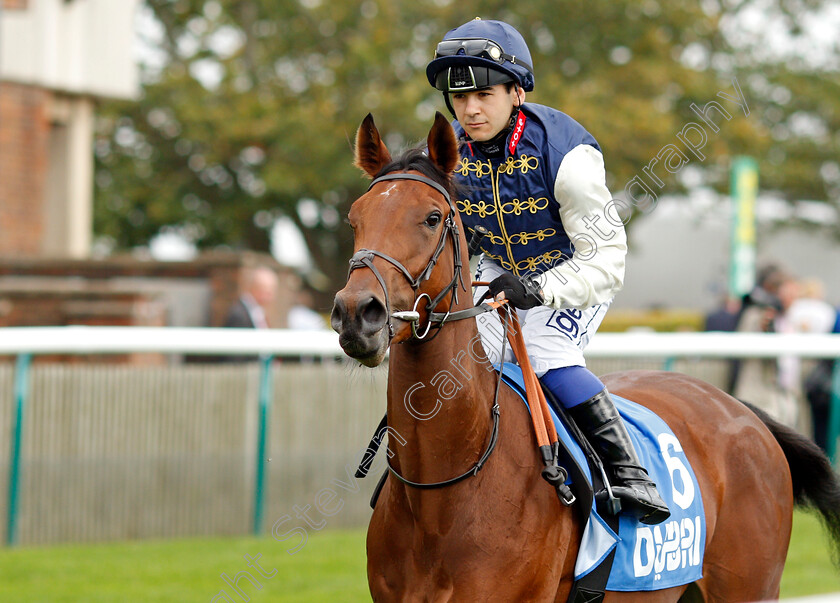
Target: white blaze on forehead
x,y
387,192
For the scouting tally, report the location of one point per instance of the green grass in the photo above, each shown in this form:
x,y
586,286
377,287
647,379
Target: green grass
x,y
329,568
808,570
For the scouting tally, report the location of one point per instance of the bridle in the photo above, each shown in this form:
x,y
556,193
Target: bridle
x,y
552,473
364,258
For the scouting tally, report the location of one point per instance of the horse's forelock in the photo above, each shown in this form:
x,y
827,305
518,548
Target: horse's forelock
x,y
417,160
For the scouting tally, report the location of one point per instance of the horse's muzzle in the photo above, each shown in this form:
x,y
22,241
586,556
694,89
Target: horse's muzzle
x,y
362,327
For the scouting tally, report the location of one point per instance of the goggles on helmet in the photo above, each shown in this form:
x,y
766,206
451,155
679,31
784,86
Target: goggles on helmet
x,y
477,47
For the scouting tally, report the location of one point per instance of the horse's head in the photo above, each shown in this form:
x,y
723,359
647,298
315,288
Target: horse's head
x,y
408,247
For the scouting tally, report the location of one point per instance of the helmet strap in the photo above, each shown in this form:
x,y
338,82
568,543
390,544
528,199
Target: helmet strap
x,y
449,104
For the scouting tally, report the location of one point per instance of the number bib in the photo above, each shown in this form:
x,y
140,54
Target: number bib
x,y
671,553
647,557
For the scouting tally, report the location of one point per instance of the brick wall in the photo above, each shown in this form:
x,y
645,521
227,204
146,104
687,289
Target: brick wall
x,y
125,291
24,152
94,281
58,305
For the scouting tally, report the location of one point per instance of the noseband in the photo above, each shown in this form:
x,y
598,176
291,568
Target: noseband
x,y
364,258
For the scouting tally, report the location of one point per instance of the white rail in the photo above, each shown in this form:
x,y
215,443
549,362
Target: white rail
x,y
714,345
282,342
167,340
26,342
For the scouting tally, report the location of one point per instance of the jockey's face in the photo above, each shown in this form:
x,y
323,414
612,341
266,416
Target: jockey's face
x,y
485,112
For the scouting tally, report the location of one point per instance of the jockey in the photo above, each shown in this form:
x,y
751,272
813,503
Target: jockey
x,y
535,179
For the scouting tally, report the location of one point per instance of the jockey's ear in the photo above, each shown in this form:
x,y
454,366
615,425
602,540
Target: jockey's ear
x,y
443,148
371,154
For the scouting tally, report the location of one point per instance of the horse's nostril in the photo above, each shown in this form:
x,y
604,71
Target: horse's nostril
x,y
337,315
373,315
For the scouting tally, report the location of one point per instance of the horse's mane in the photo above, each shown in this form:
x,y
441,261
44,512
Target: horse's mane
x,y
416,159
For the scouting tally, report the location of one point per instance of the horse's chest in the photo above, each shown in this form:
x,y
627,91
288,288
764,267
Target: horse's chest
x,y
453,559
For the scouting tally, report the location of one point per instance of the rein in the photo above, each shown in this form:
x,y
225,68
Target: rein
x,y
363,258
491,445
544,428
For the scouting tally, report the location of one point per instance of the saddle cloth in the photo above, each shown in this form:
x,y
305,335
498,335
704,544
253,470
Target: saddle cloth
x,y
647,557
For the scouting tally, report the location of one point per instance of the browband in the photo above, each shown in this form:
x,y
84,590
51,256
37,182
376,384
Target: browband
x,y
418,178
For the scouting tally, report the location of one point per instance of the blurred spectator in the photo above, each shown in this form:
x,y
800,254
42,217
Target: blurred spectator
x,y
765,382
759,300
812,314
789,367
724,317
254,304
249,311
302,317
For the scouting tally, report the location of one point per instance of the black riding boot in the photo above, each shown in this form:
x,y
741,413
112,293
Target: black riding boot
x,y
604,429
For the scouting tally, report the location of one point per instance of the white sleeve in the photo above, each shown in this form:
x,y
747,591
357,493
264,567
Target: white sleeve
x,y
595,272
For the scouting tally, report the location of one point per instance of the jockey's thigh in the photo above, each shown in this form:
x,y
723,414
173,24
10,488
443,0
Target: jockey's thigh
x,y
553,338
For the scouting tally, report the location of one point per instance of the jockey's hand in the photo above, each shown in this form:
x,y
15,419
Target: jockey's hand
x,y
521,293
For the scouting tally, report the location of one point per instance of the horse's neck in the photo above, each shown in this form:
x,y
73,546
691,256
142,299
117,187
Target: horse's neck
x,y
440,395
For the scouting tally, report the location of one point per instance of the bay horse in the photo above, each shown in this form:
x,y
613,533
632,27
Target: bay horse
x,y
501,534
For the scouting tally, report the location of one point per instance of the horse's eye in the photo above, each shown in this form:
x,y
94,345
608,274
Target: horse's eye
x,y
433,220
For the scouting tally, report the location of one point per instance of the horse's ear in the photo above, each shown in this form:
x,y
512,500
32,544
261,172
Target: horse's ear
x,y
443,148
371,153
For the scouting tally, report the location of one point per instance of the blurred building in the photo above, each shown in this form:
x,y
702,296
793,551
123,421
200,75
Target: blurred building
x,y
58,58
679,252
126,291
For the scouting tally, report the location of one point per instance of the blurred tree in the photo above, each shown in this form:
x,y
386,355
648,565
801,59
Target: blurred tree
x,y
249,107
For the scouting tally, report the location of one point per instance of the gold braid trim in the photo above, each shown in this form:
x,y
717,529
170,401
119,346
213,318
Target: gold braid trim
x,y
530,264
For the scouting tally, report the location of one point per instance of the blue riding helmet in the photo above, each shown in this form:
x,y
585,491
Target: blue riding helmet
x,y
479,54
